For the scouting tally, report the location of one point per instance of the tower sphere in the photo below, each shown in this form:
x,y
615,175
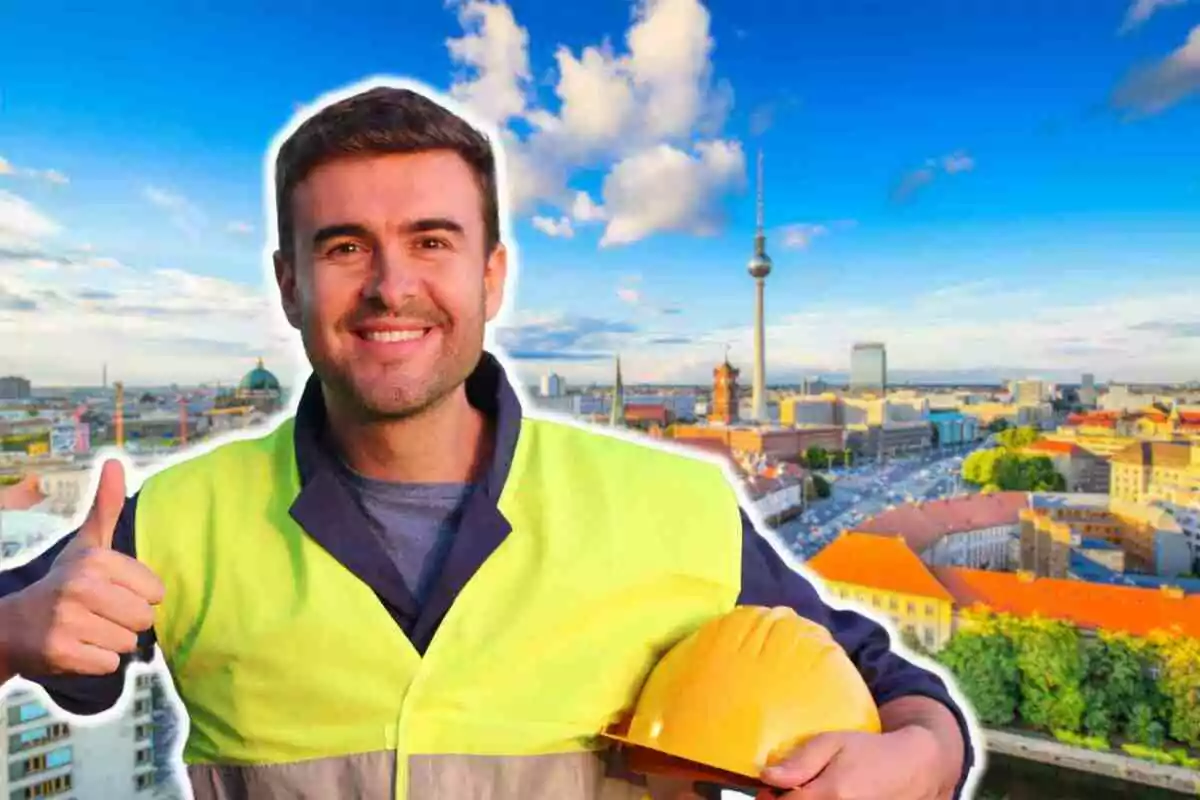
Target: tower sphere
x,y
759,266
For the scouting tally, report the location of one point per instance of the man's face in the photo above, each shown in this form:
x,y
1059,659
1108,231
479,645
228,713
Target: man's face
x,y
390,285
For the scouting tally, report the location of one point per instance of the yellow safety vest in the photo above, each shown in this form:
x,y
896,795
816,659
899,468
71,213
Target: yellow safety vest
x,y
298,683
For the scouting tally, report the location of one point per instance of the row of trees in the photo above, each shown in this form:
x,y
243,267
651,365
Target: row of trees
x,y
1046,675
1005,468
820,458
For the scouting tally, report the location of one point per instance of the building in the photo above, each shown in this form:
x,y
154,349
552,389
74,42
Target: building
x,y
13,387
49,757
1083,470
1090,607
1152,542
1029,393
259,389
881,574
777,444
759,268
868,368
1087,391
1166,474
724,409
617,412
971,531
952,428
553,385
808,410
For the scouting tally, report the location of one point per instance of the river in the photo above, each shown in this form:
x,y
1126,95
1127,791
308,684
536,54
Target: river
x,y
1016,779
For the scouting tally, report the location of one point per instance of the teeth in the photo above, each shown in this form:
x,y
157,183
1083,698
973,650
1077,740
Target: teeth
x,y
394,336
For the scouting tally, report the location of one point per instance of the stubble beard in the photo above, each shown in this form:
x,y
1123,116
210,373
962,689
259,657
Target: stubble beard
x,y
382,398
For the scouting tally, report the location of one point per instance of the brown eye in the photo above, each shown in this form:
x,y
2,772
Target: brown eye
x,y
344,248
431,243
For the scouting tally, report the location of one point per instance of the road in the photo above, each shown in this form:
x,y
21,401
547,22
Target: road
x,y
863,492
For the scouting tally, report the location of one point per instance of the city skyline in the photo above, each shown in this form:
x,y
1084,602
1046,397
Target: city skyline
x,y
1031,212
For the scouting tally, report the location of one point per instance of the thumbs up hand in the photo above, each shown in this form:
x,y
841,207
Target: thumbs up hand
x,y
90,607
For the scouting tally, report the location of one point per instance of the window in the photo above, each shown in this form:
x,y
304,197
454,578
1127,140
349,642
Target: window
x,y
893,604
142,732
912,607
143,781
928,637
36,737
143,756
50,788
26,712
929,609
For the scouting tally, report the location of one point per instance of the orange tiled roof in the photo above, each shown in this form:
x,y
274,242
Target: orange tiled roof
x,y
1189,417
1088,605
923,524
1060,448
880,562
1159,454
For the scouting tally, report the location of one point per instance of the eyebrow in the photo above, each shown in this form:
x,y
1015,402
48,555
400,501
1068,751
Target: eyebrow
x,y
416,226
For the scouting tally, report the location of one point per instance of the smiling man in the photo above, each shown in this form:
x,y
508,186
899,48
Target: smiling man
x,y
413,588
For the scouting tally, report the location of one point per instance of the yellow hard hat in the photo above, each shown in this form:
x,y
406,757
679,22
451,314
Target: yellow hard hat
x,y
739,694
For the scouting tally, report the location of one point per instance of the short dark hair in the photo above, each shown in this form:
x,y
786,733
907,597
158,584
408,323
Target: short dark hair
x,y
378,121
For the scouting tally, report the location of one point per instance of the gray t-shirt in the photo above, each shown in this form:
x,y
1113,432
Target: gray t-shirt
x,y
415,523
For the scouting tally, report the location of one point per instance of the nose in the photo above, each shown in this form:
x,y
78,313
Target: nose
x,y
394,276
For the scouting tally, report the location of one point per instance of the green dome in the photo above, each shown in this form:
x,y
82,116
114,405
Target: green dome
x,y
259,379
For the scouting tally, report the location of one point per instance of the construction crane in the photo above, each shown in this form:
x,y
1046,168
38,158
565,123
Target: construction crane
x,y
119,415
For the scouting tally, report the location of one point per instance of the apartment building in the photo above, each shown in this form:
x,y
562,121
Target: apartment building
x,y
48,757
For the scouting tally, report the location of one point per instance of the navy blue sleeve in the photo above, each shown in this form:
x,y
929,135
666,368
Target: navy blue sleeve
x,y
767,580
83,694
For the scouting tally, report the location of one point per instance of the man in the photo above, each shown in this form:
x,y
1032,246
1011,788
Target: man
x,y
412,588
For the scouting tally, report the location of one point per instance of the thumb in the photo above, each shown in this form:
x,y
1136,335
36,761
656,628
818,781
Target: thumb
x,y
805,762
101,522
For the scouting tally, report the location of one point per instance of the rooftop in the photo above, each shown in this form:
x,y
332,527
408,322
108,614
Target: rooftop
x,y
1049,446
880,562
1133,610
923,524
1155,454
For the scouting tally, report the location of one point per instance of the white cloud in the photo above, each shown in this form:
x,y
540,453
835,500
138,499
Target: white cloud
x,y
48,175
150,326
964,329
1157,87
1141,10
183,214
239,227
957,162
613,106
21,223
584,209
637,205
495,50
555,228
800,235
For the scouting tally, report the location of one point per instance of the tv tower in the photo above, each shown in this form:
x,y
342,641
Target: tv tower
x,y
759,268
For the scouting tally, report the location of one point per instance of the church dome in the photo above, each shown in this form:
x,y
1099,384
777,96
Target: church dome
x,y
259,379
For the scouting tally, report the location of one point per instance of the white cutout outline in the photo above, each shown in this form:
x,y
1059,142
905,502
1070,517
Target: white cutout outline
x,y
134,478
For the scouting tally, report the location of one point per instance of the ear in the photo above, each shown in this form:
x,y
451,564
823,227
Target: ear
x,y
285,277
495,274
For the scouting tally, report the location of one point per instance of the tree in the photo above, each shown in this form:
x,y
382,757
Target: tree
x,y
997,425
816,458
821,487
1179,683
1117,685
1016,438
1052,669
935,436
1011,472
984,662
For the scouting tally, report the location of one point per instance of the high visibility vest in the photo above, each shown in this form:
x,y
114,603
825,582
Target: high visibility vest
x,y
298,683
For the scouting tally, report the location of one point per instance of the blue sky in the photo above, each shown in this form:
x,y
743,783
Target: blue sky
x,y
990,188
